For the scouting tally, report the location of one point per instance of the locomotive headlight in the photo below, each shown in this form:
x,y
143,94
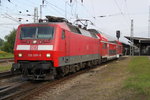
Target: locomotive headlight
x,y
20,55
48,55
34,42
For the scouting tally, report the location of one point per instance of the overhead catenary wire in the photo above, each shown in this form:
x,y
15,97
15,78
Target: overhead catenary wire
x,y
58,9
55,8
127,20
5,24
14,4
84,9
10,17
118,7
127,9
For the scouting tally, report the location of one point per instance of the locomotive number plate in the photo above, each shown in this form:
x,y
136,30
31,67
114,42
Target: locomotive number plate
x,y
34,55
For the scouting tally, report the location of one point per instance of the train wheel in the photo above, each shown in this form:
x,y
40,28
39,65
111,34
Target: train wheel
x,y
77,67
81,66
72,69
60,72
89,64
66,70
12,70
99,62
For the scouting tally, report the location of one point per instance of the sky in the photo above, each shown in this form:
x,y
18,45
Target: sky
x,y
117,14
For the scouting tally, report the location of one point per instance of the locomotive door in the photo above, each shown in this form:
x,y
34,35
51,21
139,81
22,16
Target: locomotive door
x,y
105,49
67,47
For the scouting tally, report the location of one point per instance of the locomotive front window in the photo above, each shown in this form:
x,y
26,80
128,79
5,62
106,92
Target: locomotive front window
x,y
28,32
37,32
45,32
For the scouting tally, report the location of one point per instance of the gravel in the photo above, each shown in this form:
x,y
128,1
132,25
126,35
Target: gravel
x,y
102,83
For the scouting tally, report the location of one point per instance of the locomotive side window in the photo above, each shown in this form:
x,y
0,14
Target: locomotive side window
x,y
63,34
105,46
120,48
37,32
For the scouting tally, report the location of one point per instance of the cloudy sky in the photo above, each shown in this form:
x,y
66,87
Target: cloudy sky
x,y
118,14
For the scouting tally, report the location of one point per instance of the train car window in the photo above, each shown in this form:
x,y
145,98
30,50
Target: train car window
x,y
37,32
63,34
112,52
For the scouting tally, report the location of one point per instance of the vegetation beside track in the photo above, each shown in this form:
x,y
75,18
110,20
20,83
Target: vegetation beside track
x,y
139,77
5,54
8,44
5,68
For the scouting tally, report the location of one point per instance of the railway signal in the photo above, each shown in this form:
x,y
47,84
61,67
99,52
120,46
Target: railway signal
x,y
118,34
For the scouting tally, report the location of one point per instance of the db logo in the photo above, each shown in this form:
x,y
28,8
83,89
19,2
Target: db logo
x,y
34,47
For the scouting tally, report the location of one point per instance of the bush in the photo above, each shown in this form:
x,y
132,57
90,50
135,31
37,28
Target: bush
x,y
9,43
1,43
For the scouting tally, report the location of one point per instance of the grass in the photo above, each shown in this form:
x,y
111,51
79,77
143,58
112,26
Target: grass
x,y
5,55
139,78
5,68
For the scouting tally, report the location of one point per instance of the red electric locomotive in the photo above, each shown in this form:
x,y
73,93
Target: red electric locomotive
x,y
54,48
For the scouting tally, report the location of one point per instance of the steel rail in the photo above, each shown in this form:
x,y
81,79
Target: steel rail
x,y
27,90
4,60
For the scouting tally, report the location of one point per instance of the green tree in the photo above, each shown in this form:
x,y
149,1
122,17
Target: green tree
x,y
1,42
9,43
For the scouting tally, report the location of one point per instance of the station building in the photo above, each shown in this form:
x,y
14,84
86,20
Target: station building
x,y
141,45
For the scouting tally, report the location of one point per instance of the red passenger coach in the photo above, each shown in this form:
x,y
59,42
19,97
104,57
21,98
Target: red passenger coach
x,y
109,48
119,48
54,48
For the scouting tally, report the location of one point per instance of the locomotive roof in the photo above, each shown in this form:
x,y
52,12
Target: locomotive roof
x,y
61,24
110,38
69,27
104,37
64,23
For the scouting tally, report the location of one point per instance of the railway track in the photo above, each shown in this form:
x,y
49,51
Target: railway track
x,y
7,74
5,60
26,89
